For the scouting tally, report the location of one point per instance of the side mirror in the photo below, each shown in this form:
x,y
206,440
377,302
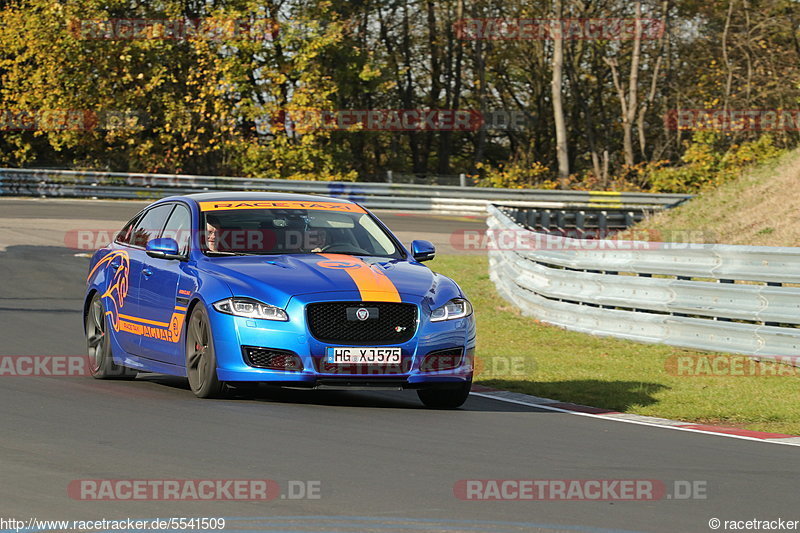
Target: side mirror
x,y
423,250
164,248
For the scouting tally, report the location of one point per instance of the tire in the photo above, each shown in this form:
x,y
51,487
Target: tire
x,y
445,398
201,361
98,345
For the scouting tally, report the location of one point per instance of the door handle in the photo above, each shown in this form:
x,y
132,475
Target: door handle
x,y
115,265
147,272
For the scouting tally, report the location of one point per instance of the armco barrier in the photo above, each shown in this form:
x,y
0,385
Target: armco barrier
x,y
609,289
80,184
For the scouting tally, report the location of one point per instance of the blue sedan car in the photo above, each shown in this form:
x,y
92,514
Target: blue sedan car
x,y
292,290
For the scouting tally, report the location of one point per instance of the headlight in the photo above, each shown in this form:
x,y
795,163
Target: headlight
x,y
455,308
249,308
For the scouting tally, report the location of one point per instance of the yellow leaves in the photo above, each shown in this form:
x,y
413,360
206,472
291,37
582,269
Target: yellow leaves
x,y
196,96
514,176
279,78
368,72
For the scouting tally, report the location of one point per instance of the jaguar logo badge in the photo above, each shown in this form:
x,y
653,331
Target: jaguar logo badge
x,y
362,313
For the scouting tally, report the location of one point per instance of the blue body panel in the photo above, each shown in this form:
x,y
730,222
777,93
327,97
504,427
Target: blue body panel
x,y
148,301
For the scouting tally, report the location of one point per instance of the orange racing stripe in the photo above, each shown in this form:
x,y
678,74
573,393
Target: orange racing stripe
x,y
373,285
144,320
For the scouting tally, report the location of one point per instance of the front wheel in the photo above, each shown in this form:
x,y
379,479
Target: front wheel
x,y
201,361
98,342
445,398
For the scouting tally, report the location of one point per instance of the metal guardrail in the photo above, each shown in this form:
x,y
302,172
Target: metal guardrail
x,y
608,288
582,223
67,183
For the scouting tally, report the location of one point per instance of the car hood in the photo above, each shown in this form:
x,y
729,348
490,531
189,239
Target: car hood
x,y
275,279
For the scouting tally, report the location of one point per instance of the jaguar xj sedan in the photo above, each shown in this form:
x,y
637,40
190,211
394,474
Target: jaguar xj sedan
x,y
230,289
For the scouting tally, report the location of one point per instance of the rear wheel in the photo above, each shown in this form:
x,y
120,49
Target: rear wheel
x,y
98,342
201,361
445,398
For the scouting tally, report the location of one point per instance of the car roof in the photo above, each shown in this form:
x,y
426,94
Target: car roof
x,y
221,196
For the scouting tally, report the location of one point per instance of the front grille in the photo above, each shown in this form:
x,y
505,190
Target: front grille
x,y
328,322
324,367
272,358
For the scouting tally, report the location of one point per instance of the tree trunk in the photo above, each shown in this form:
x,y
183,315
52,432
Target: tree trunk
x,y
654,81
558,106
629,104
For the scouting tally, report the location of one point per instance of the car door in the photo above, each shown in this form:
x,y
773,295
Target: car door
x,y
132,324
159,282
119,295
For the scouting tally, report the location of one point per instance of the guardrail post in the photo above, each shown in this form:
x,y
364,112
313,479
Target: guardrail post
x,y
602,222
630,219
389,176
546,219
462,179
530,221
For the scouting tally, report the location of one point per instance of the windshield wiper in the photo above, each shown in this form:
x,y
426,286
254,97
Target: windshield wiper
x,y
247,253
346,252
227,253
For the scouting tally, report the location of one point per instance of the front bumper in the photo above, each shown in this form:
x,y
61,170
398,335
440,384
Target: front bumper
x,y
232,333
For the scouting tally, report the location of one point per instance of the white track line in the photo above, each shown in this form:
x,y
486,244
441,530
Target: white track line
x,y
638,422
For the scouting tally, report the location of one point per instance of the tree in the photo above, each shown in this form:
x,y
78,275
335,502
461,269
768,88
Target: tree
x,y
558,106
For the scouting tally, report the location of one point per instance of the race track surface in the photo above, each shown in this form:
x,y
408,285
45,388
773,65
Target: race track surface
x,y
382,462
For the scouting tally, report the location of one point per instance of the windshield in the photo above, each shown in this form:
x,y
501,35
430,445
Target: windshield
x,y
294,231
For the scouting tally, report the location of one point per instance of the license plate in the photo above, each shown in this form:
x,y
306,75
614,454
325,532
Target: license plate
x,y
363,355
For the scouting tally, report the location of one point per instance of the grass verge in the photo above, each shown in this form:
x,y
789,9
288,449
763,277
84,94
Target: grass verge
x,y
760,208
521,354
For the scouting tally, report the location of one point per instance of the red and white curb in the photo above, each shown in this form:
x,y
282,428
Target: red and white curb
x,y
595,412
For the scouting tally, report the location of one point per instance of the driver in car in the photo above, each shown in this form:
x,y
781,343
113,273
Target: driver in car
x,y
212,233
317,238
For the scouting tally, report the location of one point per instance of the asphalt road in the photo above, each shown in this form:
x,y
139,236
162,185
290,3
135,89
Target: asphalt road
x,y
381,461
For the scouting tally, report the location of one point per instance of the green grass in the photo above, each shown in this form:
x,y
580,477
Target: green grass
x,y
521,354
